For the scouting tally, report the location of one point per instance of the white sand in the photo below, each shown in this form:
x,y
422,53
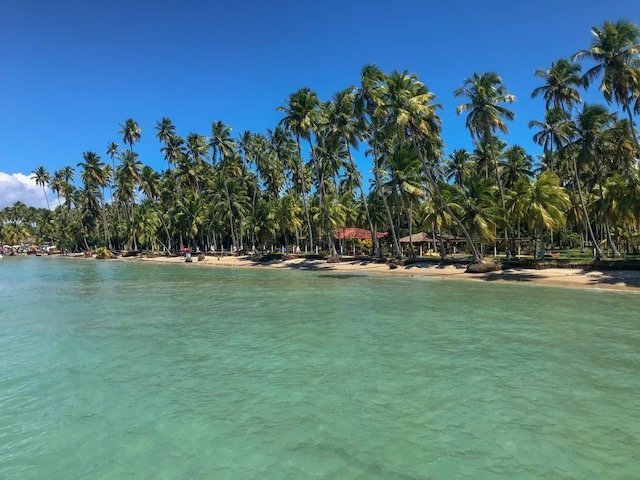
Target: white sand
x,y
609,280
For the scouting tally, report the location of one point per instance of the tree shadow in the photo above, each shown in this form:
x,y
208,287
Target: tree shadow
x,y
511,276
626,278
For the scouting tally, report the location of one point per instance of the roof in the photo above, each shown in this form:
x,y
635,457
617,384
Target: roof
x,y
423,237
355,233
416,238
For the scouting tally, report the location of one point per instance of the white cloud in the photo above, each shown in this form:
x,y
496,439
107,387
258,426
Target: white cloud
x,y
18,187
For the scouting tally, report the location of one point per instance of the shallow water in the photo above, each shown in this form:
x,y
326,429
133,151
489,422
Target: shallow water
x,y
112,370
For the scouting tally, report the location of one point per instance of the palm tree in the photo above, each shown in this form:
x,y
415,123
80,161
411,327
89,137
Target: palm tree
x,y
459,167
562,80
130,132
300,118
555,131
220,141
342,118
57,183
368,108
411,109
516,165
42,178
405,180
615,49
165,129
546,203
589,129
486,93
485,114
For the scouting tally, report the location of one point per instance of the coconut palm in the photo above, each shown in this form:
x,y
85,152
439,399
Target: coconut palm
x,y
560,89
554,132
404,178
486,115
301,115
165,129
485,93
131,132
342,117
615,48
411,108
459,167
546,203
368,103
42,178
516,164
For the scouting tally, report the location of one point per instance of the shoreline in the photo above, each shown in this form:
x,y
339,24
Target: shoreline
x,y
613,280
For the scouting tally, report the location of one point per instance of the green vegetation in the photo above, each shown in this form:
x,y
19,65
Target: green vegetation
x,y
294,185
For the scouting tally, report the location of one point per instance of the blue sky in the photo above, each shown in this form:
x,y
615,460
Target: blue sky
x,y
72,71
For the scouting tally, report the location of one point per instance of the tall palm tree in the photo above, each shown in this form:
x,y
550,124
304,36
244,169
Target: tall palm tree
x,y
459,167
560,89
405,180
546,203
131,132
368,108
220,141
165,129
486,93
555,131
42,178
343,119
590,125
615,48
516,165
300,118
412,110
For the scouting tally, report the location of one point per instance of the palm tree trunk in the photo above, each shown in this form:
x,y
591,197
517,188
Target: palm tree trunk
x,y
584,209
231,220
438,195
540,233
384,202
632,128
610,241
504,204
323,201
363,198
410,222
45,196
304,193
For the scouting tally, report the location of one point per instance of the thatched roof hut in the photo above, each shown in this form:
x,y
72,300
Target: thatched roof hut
x,y
355,234
416,238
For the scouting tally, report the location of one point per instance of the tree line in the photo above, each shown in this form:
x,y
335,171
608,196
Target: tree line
x,y
295,184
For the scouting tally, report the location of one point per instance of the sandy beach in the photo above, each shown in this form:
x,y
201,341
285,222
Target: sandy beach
x,y
619,280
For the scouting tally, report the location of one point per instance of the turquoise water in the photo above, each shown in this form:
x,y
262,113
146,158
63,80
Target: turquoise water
x,y
118,370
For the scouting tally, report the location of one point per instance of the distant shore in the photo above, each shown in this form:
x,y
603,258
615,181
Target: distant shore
x,y
619,280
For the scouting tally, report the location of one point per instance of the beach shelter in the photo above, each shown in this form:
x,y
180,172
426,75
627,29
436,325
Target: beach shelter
x,y
416,238
345,234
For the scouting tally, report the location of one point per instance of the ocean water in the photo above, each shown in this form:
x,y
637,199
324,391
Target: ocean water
x,y
112,370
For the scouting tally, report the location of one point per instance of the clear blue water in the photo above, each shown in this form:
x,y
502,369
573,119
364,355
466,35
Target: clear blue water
x,y
112,370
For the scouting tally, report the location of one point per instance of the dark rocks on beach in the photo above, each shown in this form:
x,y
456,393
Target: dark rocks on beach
x,y
201,257
392,265
333,260
482,266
